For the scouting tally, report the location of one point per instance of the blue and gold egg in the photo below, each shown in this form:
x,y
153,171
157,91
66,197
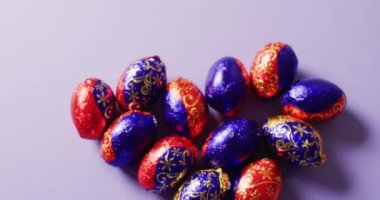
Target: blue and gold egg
x,y
167,163
205,184
227,86
141,83
127,137
314,100
295,141
231,143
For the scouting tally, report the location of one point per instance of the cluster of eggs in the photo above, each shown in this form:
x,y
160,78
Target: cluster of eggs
x,y
171,159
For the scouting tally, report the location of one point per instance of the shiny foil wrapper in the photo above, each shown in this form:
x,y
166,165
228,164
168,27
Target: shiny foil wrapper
x,y
260,179
227,86
167,163
92,108
205,184
314,100
127,137
231,143
273,69
295,141
184,107
141,83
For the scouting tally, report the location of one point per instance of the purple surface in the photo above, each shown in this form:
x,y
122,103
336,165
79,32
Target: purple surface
x,y
48,47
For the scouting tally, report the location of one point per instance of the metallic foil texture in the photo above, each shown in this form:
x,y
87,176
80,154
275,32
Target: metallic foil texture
x,y
314,100
260,179
227,86
295,141
231,143
92,108
127,137
184,107
273,69
141,83
205,184
167,163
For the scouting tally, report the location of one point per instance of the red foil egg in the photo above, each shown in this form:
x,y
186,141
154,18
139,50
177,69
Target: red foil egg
x,y
185,108
273,69
260,179
167,163
92,108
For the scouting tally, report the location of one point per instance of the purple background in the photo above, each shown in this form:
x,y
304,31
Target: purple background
x,y
48,47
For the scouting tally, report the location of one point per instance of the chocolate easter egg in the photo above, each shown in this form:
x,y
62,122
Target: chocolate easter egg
x,y
205,184
92,108
227,86
184,107
314,100
295,141
141,83
273,69
167,163
260,179
127,137
231,143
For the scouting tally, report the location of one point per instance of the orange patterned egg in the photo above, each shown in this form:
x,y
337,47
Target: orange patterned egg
x,y
260,179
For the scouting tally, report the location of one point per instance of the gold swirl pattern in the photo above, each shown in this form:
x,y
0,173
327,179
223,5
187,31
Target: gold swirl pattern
x,y
264,76
140,89
327,114
208,184
194,103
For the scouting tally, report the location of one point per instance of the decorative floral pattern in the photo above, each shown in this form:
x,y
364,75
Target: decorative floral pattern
x,y
259,180
104,99
209,184
295,141
141,83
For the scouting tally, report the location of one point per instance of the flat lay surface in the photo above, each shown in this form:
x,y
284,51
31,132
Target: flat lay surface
x,y
47,48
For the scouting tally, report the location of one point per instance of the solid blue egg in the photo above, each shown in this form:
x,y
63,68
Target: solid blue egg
x,y
227,86
231,143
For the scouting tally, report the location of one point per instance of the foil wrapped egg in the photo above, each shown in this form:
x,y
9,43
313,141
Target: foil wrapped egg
x,y
127,137
92,108
314,100
184,107
227,86
273,69
141,83
260,179
231,143
295,141
205,184
167,163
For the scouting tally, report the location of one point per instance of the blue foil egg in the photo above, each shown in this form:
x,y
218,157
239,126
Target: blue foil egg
x,y
205,184
127,137
227,86
141,83
314,100
295,141
231,143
